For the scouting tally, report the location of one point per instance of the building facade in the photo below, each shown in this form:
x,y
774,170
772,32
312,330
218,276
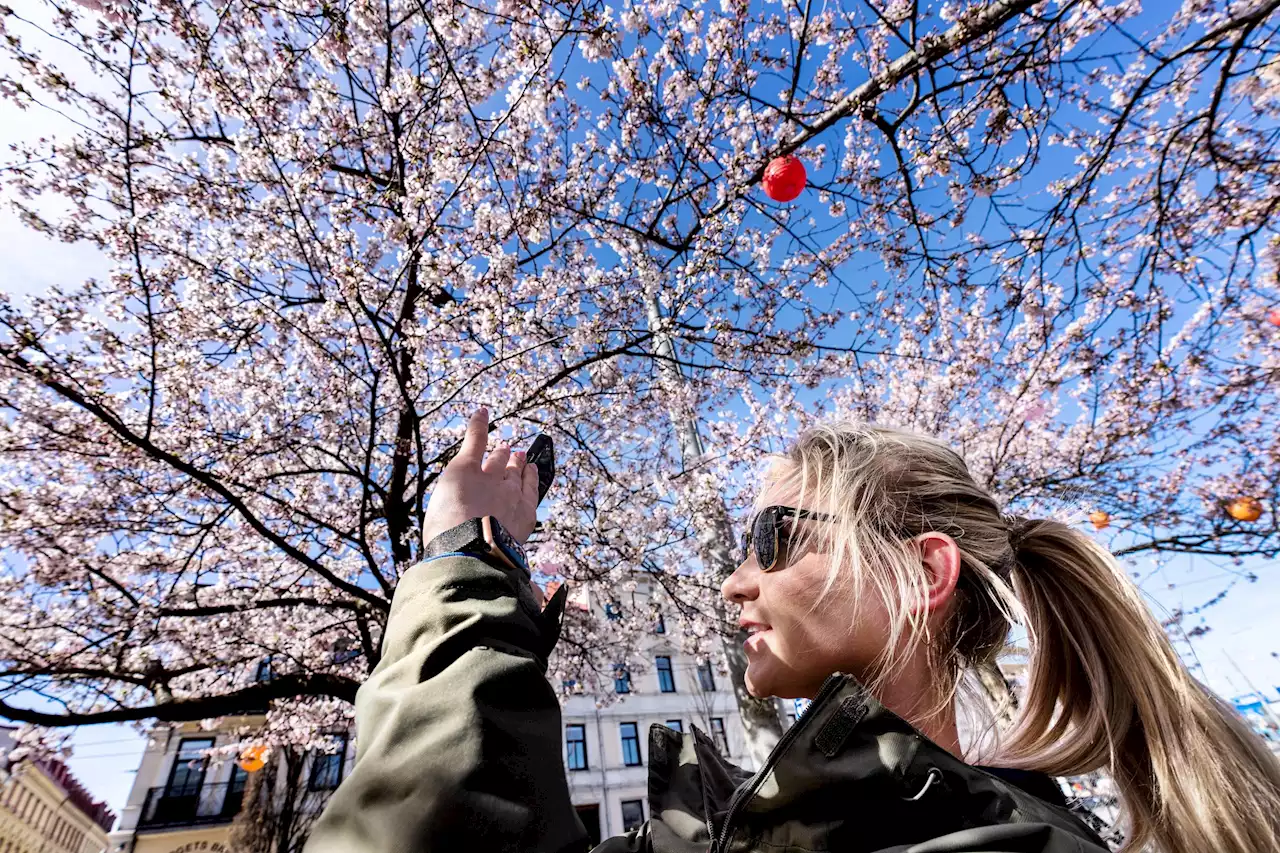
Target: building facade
x,y
182,803
43,809
607,747
179,802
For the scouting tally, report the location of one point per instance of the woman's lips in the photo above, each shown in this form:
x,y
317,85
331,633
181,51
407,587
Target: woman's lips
x,y
756,641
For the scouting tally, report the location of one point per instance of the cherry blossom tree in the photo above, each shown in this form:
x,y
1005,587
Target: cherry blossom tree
x,y
1044,231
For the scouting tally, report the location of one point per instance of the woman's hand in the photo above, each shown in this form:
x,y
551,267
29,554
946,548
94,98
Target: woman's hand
x,y
472,486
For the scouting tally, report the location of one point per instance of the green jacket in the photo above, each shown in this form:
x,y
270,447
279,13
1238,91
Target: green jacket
x,y
460,752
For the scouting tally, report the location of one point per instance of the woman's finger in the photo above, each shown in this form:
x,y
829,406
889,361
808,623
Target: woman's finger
x,y
529,484
473,443
515,465
497,459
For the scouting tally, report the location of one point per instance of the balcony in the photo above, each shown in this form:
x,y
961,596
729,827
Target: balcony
x,y
191,806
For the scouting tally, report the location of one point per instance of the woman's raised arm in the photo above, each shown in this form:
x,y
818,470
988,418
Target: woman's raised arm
x,y
459,733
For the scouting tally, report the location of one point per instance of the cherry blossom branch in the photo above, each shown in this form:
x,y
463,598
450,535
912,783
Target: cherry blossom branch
x,y
206,479
198,708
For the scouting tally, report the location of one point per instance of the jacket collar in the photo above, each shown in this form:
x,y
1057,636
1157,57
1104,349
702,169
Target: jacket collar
x,y
846,760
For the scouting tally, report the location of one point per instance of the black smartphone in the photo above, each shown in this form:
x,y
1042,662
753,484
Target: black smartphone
x,y
543,454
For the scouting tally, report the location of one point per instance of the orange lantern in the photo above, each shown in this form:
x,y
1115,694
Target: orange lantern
x,y
1100,519
253,759
1274,316
784,178
1245,509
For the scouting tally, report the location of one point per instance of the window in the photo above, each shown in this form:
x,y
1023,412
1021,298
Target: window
x,y
706,680
234,798
675,725
666,680
621,679
344,650
239,778
575,736
326,767
590,815
718,733
659,625
632,814
187,774
630,744
264,673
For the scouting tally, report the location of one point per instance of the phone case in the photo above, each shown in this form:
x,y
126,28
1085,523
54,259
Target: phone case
x,y
542,453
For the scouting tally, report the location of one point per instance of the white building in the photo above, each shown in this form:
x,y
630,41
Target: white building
x,y
607,748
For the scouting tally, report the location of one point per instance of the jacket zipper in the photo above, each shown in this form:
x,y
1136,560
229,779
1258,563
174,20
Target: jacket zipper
x,y
748,790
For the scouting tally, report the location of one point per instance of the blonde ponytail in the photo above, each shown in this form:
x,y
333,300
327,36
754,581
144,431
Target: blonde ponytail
x,y
1107,690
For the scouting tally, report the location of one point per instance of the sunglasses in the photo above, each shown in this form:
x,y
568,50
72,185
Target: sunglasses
x,y
766,535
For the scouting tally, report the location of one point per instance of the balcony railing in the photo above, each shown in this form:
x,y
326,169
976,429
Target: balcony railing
x,y
191,805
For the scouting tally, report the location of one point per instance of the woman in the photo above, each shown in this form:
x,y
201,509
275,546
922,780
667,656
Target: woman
x,y
877,573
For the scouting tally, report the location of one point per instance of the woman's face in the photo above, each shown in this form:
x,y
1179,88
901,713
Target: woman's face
x,y
796,643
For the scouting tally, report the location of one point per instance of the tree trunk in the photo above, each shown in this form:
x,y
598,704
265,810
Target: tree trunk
x,y
1002,701
761,725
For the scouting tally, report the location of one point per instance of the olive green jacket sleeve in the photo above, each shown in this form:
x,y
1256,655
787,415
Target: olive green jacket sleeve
x,y
459,733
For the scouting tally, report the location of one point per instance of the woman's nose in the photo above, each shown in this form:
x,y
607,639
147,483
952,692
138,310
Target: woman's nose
x,y
741,585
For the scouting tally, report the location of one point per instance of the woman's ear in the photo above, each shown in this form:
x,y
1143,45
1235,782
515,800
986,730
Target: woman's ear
x,y
940,557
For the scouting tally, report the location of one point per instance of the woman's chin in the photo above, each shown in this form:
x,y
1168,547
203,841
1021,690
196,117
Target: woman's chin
x,y
757,685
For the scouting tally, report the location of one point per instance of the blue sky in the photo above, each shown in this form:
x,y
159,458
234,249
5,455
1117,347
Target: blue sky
x,y
1236,653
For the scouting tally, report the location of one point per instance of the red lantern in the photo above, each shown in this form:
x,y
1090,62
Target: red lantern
x,y
1274,316
784,178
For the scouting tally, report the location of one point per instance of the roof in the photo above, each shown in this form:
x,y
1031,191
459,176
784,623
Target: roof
x,y
79,796
62,776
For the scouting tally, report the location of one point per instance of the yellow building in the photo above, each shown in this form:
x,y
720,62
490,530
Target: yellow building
x,y
179,801
43,809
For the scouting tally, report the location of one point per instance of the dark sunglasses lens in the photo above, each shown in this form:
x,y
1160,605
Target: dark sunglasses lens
x,y
765,535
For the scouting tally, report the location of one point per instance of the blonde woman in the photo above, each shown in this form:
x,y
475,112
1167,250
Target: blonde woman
x,y
875,574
